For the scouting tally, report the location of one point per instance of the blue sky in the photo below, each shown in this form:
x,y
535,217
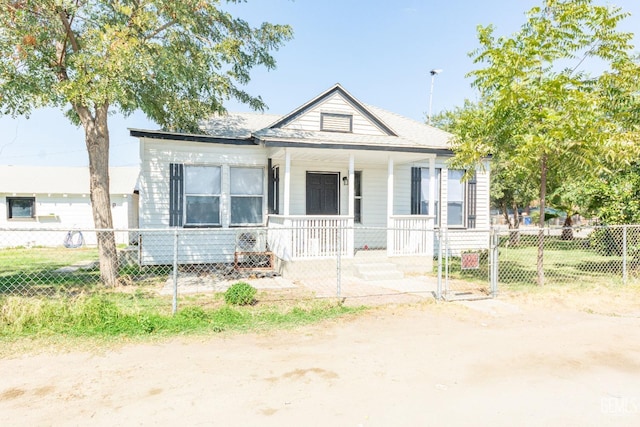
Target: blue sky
x,y
380,51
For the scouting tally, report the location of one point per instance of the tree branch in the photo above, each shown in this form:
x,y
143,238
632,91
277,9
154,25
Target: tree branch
x,y
161,29
68,31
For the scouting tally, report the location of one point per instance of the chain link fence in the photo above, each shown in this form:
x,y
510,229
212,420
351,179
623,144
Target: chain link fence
x,y
579,255
176,267
170,268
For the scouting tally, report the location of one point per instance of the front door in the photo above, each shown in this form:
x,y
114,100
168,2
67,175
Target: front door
x,y
322,193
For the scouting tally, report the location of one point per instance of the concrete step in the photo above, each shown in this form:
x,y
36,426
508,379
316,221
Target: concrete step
x,y
377,271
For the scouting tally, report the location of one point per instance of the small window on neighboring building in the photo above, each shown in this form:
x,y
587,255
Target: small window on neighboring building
x,y
21,207
331,122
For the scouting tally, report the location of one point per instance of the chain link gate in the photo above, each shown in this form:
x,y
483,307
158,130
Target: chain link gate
x,y
467,264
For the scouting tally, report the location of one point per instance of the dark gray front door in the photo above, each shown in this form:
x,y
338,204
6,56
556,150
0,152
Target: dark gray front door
x,y
322,193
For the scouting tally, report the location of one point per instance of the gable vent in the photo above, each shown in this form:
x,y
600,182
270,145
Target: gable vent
x,y
332,122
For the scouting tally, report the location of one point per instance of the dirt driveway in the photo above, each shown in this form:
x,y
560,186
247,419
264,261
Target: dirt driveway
x,y
514,362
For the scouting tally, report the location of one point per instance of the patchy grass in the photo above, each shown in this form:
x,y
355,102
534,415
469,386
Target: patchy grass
x,y
111,315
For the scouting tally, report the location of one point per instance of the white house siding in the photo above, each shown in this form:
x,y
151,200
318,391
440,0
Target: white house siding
x,y
310,121
401,189
194,246
57,214
199,245
157,156
460,239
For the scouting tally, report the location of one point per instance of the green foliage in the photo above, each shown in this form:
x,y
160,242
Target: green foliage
x,y
614,197
176,61
547,122
118,315
240,293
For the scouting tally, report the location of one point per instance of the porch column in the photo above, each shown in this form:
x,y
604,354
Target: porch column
x,y
350,234
287,182
390,193
352,186
432,186
390,246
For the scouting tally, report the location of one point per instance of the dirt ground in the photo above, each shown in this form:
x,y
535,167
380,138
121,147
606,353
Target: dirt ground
x,y
534,360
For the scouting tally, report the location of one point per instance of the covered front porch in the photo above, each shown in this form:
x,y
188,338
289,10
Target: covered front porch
x,y
328,202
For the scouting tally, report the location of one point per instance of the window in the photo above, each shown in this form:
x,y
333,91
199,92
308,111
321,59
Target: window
x,y
424,194
331,122
246,195
357,205
420,179
461,195
202,188
455,198
21,207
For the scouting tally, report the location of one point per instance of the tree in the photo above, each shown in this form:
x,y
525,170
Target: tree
x,y
511,187
614,197
560,121
177,61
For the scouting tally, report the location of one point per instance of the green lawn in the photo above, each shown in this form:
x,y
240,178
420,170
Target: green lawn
x,y
33,270
566,262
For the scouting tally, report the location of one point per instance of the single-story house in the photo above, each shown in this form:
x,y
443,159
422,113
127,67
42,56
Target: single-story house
x,y
37,198
323,179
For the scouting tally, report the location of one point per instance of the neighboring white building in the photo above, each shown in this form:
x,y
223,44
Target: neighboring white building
x,y
334,162
37,198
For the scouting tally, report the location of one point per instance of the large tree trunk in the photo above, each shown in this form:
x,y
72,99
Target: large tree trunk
x,y
97,140
543,195
567,228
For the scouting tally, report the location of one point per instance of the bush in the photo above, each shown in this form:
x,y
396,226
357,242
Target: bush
x,y
609,241
240,293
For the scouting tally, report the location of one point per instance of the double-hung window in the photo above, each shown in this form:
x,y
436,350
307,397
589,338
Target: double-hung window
x,y
247,189
357,195
202,189
455,198
425,179
460,205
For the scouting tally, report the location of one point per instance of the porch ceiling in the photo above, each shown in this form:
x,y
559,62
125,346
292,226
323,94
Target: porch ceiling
x,y
342,156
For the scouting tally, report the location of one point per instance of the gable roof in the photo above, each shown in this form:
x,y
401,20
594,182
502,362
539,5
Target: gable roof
x,y
335,89
394,132
62,180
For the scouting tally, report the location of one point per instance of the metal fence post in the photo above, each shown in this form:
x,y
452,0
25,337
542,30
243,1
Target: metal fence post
x,y
624,254
494,262
439,287
338,262
446,261
174,308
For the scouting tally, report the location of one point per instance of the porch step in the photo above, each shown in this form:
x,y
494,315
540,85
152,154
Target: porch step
x,y
378,271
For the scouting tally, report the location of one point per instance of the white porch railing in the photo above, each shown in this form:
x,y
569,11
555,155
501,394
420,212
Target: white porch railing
x,y
302,236
410,235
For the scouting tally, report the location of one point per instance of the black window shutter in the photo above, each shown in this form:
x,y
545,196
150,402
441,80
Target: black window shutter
x,y
472,185
416,177
271,181
176,188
